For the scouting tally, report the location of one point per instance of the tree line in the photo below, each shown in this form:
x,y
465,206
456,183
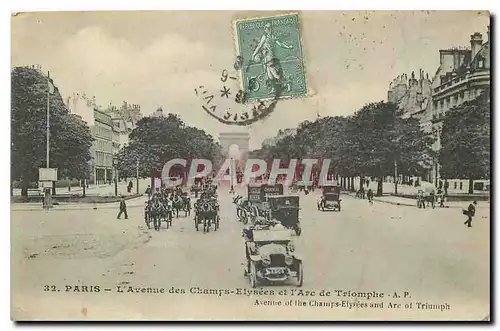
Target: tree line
x,y
378,139
370,143
153,141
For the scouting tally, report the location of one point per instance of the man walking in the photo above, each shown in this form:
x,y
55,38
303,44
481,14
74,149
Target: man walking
x,y
123,209
470,212
369,195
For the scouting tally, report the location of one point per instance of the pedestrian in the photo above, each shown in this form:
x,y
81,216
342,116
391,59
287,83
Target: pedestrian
x,y
432,199
446,186
148,191
369,195
470,212
123,209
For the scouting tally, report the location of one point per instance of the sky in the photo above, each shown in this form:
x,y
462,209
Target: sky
x,y
157,58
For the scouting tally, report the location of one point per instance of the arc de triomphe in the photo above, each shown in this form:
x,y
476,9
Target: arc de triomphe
x,y
241,139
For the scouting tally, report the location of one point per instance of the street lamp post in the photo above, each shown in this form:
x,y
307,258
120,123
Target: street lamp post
x,y
137,176
115,164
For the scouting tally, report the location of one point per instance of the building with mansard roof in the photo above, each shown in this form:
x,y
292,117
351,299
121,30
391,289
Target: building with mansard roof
x,y
412,95
462,75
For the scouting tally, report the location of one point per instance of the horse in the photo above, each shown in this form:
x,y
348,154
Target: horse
x,y
242,207
156,214
207,212
186,205
177,204
168,212
147,214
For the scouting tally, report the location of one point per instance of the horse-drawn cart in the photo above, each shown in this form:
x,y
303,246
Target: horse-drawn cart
x,y
206,214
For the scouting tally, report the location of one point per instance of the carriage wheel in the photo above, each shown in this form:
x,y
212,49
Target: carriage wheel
x,y
253,275
254,212
300,274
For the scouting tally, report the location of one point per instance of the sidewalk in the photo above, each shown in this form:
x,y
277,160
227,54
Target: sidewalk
x,y
413,203
33,206
100,189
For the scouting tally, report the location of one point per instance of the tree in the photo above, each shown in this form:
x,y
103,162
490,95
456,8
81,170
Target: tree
x,y
70,138
383,138
465,141
155,140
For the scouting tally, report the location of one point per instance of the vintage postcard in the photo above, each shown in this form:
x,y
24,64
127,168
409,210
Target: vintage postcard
x,y
247,165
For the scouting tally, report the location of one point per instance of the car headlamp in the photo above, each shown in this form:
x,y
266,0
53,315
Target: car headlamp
x,y
266,260
289,260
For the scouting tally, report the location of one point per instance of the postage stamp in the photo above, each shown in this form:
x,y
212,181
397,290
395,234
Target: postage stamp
x,y
271,52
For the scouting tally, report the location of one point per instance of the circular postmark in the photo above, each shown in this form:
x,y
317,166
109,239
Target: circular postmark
x,y
229,104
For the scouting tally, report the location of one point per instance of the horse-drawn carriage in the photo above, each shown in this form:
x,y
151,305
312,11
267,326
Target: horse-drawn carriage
x,y
270,255
206,213
162,206
157,211
330,199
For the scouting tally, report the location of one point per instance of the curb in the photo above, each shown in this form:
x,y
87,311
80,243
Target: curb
x,y
83,206
414,204
55,208
407,204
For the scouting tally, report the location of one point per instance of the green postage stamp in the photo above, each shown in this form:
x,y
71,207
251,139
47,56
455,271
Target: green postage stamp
x,y
270,51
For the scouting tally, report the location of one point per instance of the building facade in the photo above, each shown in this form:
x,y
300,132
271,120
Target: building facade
x,y
102,151
101,127
413,97
462,75
158,113
124,120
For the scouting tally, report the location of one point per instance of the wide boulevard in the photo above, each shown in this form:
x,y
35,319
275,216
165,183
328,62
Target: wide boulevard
x,y
83,262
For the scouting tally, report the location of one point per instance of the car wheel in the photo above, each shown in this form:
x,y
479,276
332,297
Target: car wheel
x,y
253,275
300,274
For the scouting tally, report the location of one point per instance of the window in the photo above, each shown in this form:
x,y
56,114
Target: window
x,y
480,62
455,185
461,186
